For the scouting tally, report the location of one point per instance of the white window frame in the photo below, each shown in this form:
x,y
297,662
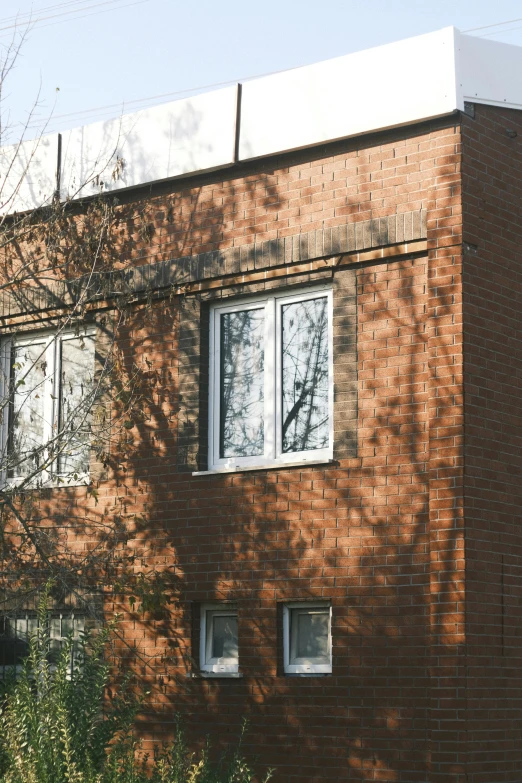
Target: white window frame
x,y
304,666
207,662
272,304
51,342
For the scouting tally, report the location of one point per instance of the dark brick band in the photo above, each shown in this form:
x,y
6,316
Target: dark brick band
x,y
347,238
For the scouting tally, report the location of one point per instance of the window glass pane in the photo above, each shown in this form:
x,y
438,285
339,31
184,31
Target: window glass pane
x,y
224,637
55,632
28,373
76,386
75,626
242,384
14,645
67,627
311,633
305,375
32,626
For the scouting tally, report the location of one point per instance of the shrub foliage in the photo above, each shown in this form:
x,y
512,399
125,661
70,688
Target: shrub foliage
x,y
56,725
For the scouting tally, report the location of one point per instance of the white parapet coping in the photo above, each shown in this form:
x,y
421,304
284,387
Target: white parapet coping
x,y
489,72
385,87
176,138
28,174
372,90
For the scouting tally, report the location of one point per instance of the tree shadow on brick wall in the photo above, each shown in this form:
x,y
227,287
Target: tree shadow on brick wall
x,y
356,534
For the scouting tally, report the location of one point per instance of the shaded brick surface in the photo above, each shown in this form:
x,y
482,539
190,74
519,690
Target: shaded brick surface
x,y
492,188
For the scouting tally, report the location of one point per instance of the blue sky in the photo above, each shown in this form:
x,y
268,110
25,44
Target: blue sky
x,y
103,55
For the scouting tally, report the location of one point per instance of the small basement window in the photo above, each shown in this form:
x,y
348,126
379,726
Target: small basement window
x,y
307,638
219,639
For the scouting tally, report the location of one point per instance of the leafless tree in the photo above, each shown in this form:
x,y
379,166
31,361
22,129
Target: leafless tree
x,y
69,397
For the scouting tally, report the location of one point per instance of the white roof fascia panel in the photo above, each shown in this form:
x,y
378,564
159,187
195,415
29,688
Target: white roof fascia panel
x,y
181,137
379,88
491,72
459,95
28,174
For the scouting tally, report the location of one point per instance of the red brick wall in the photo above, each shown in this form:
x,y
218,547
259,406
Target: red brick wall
x,y
492,168
379,534
345,182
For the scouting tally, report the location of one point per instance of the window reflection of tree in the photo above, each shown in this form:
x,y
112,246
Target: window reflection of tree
x,y
28,378
305,375
242,384
76,386
50,406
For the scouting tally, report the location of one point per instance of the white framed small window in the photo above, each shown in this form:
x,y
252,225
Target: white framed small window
x,y
219,646
271,380
48,378
307,638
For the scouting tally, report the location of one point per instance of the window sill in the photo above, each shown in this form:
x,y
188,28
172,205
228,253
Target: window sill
x,y
218,675
302,463
84,481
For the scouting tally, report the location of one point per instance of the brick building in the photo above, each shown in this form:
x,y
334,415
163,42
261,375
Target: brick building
x,y
332,465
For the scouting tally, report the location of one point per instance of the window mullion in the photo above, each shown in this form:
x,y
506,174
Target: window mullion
x,y
270,379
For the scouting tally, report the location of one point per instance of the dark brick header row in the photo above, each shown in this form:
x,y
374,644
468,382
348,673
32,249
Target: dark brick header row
x,y
347,238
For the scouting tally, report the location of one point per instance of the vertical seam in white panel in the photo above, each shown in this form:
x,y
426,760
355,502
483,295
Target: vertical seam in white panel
x,y
457,70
